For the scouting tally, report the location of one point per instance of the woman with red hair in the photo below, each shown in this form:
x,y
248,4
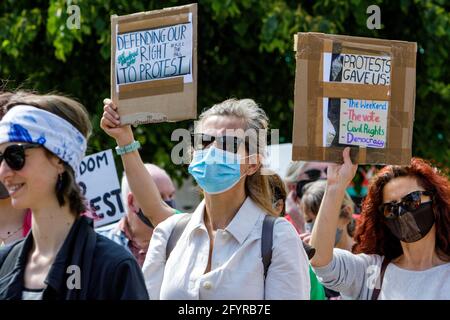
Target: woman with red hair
x,y
402,248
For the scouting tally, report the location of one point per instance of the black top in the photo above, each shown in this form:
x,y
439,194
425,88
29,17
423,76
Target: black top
x,y
88,266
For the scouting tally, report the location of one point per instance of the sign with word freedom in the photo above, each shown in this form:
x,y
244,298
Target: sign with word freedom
x,y
100,185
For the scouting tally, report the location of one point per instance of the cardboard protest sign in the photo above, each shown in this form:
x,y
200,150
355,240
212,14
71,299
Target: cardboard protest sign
x,y
97,178
357,92
154,65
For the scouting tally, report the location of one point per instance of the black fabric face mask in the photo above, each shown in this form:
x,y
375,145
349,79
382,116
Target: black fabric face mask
x,y
412,226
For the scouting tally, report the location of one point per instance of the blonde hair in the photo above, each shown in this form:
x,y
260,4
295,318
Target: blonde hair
x,y
257,186
293,171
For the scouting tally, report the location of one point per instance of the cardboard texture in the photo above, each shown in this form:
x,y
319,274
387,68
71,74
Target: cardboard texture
x,y
162,98
394,98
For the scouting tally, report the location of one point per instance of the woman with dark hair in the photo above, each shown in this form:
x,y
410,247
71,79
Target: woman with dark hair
x,y
42,142
402,248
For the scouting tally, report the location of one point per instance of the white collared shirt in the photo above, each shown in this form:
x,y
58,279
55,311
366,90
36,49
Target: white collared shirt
x,y
237,271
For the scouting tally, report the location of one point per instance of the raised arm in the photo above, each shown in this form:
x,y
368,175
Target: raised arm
x,y
140,181
323,235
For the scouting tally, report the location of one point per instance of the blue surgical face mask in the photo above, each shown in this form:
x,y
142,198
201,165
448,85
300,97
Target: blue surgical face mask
x,y
215,170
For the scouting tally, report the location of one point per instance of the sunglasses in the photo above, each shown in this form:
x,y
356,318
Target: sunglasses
x,y
228,143
313,175
14,155
408,203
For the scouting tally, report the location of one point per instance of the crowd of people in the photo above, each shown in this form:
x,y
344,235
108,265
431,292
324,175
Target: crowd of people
x,y
255,235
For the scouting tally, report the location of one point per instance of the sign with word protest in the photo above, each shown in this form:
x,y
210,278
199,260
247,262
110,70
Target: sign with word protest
x,y
357,92
154,65
97,178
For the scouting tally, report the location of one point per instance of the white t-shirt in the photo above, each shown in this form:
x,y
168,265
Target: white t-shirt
x,y
355,277
237,270
430,284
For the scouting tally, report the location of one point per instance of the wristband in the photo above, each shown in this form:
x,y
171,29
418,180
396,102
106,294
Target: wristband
x,y
135,145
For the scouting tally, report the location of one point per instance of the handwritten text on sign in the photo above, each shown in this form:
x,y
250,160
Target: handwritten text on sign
x,y
366,69
352,68
100,185
363,123
154,54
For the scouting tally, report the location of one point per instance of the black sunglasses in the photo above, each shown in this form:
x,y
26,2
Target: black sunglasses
x,y
14,155
313,175
408,203
231,144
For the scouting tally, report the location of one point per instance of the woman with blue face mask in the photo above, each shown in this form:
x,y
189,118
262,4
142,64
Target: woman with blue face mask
x,y
218,253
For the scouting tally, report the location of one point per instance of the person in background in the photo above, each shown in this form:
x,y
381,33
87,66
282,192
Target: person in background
x,y
357,189
279,198
298,174
135,230
310,203
279,194
402,248
14,223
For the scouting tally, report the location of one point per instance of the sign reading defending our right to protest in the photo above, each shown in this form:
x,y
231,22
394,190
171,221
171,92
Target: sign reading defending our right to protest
x,y
154,54
154,65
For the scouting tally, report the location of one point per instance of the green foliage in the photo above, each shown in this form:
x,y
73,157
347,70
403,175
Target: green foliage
x,y
245,50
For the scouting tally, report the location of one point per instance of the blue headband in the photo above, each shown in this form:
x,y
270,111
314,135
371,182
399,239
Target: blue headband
x,y
33,125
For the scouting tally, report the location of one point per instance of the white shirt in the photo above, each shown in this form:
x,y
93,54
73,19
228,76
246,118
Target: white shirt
x,y
355,275
430,284
237,270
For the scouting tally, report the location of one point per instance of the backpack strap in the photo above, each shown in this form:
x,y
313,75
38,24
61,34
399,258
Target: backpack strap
x,y
266,238
310,250
377,289
267,242
11,258
176,233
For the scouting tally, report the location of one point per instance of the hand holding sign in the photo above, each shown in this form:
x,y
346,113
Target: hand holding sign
x,y
110,123
340,175
140,181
